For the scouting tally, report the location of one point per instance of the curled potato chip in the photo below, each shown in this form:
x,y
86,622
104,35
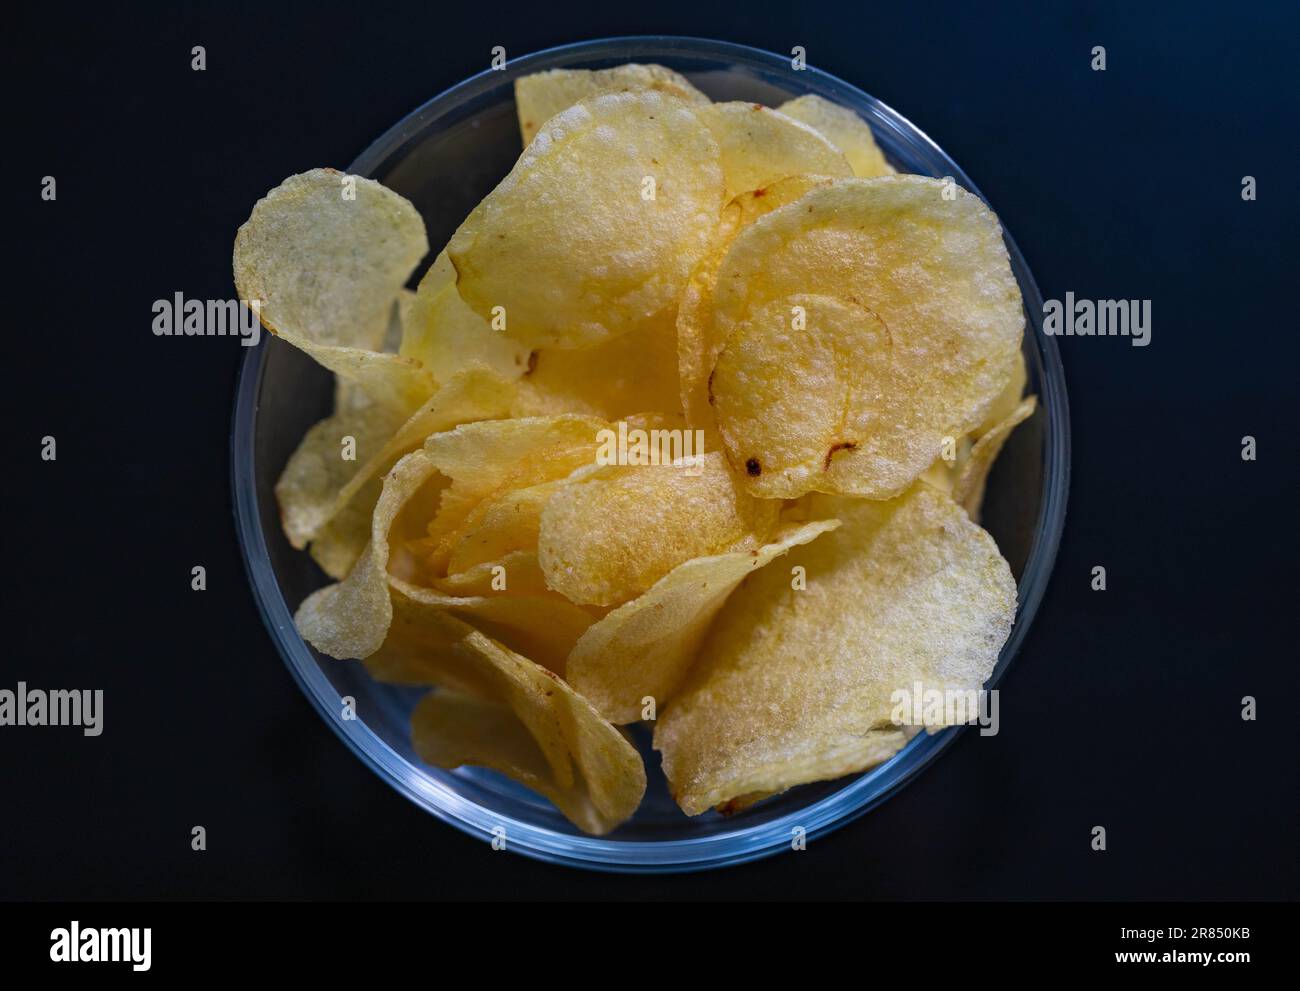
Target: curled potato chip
x,y
597,226
323,256
643,648
603,789
697,346
328,500
943,474
610,537
844,129
542,95
497,512
468,396
498,709
351,619
445,336
544,627
339,544
326,254
760,145
503,523
916,318
489,459
695,351
318,469
798,684
968,488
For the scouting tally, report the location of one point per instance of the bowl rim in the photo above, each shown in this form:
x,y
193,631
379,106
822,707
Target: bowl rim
x,y
744,843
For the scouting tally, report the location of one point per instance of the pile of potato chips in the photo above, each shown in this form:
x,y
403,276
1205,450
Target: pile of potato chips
x,y
688,423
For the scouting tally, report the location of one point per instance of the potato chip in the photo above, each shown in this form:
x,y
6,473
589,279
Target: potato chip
x,y
542,627
450,730
1008,399
542,95
445,336
944,472
339,544
597,226
525,722
643,648
697,346
844,129
894,307
324,255
488,459
327,499
468,396
501,524
760,146
607,539
318,469
351,619
797,684
968,488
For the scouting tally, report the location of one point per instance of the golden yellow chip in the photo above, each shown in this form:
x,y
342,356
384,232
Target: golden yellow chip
x,y
542,95
339,544
486,460
310,491
502,523
445,336
543,627
597,226
760,146
638,654
498,709
606,539
800,676
323,257
1008,399
351,619
327,458
968,488
328,489
893,305
697,346
844,129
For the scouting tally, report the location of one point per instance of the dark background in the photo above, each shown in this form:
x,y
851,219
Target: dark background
x,y
1123,708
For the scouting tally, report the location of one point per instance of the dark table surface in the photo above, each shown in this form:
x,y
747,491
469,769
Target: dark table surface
x,y
1123,709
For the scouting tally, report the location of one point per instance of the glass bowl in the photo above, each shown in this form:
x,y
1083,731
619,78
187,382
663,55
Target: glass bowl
x,y
445,157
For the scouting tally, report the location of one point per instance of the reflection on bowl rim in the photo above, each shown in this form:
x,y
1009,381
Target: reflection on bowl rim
x,y
744,842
